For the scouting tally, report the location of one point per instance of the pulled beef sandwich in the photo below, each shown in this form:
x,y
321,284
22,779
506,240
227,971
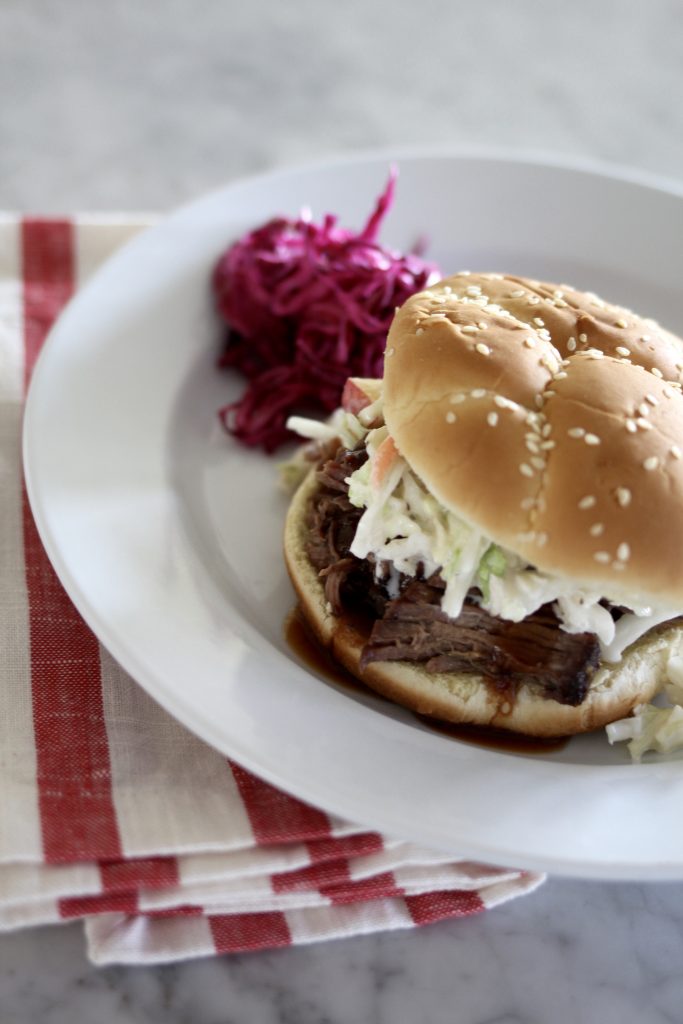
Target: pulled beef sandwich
x,y
493,532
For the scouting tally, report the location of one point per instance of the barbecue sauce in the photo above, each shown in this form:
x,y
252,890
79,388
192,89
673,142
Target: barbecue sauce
x,y
304,644
319,660
495,739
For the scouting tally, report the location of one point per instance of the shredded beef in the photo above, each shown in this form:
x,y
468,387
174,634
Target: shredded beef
x,y
413,627
350,583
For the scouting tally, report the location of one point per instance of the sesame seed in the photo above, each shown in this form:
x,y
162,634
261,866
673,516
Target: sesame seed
x,y
544,333
549,393
651,399
668,391
623,552
420,330
447,289
675,451
620,350
644,409
526,469
546,430
534,300
560,375
595,353
492,419
571,344
469,329
451,417
644,337
576,432
560,303
657,372
539,322
480,393
390,351
538,400
483,349
597,529
621,322
530,342
537,462
602,556
631,426
482,325
547,445
588,502
643,423
592,439
533,445
651,462
517,294
583,338
473,289
623,496
503,403
550,364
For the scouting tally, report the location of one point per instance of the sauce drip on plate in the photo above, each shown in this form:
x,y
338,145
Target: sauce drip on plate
x,y
318,659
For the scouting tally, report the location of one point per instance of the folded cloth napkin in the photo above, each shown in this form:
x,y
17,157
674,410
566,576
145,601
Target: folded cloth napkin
x,y
111,811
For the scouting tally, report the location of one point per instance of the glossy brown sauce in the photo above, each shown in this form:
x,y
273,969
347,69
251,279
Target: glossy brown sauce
x,y
494,739
304,644
307,648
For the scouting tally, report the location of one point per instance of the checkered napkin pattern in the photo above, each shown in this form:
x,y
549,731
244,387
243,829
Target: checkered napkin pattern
x,y
112,812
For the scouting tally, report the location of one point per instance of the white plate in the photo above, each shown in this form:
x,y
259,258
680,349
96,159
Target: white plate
x,y
166,534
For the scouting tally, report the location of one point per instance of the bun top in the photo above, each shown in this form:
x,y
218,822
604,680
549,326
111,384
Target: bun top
x,y
551,420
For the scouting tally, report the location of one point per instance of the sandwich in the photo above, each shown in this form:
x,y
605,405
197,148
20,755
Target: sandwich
x,y
492,534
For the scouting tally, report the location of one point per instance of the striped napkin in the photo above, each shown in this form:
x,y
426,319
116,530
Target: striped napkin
x,y
111,811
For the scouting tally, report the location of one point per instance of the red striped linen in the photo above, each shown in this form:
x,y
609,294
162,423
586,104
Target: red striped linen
x,y
111,811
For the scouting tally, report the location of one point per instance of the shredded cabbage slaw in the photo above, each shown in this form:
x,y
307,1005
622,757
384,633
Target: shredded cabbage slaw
x,y
308,305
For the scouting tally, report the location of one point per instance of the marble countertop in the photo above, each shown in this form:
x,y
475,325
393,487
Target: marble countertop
x,y
573,951
130,106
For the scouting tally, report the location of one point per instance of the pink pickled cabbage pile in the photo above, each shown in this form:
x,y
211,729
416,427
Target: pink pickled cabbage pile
x,y
307,306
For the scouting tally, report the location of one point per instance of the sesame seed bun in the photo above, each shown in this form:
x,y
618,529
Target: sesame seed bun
x,y
466,698
552,421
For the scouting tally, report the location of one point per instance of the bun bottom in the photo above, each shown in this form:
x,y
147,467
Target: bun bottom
x,y
467,698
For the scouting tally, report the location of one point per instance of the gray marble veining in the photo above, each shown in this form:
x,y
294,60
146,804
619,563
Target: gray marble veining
x,y
574,951
141,106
